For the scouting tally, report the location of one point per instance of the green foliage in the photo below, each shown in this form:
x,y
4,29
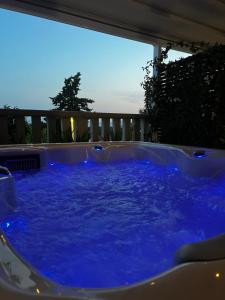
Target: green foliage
x,y
67,99
150,82
186,100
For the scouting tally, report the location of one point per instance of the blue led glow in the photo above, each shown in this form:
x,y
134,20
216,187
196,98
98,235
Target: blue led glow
x,y
120,204
173,168
199,154
17,223
7,224
98,148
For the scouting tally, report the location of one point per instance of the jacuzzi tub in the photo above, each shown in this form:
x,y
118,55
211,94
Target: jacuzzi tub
x,y
203,278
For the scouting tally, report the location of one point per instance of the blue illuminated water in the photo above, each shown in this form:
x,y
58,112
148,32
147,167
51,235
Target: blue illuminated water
x,y
112,224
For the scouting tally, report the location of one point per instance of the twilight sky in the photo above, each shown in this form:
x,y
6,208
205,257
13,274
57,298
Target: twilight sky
x,y
37,54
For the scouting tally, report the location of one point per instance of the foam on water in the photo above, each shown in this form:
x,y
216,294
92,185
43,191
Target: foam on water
x,y
112,224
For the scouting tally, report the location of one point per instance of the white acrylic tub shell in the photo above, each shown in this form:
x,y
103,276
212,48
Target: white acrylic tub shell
x,y
211,165
199,280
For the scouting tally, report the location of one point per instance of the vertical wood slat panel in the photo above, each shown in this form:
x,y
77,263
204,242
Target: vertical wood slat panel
x,y
20,130
94,130
126,130
81,130
4,130
51,129
36,129
106,129
116,129
136,130
66,129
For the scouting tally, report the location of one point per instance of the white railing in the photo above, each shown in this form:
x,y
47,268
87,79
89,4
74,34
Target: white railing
x,y
66,126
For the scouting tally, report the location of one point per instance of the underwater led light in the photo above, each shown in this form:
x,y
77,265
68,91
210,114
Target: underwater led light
x,y
199,154
7,224
98,148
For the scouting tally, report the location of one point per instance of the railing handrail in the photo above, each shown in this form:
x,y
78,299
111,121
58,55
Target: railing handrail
x,y
70,126
58,113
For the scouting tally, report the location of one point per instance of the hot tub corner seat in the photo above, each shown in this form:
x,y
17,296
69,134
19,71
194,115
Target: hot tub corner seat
x,y
208,250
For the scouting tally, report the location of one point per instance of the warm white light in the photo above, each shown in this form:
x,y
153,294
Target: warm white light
x,y
217,275
3,239
72,128
38,291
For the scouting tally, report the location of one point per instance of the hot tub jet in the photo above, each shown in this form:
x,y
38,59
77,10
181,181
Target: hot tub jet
x,y
199,154
98,148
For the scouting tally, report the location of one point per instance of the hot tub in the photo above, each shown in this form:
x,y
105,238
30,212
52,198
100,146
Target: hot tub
x,y
105,221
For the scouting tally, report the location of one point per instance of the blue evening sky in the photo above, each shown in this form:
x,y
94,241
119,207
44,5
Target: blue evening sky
x,y
37,54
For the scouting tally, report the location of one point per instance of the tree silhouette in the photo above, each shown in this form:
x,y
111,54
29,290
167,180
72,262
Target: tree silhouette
x,y
67,99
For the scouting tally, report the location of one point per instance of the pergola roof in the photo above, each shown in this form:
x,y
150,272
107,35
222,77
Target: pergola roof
x,y
155,22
